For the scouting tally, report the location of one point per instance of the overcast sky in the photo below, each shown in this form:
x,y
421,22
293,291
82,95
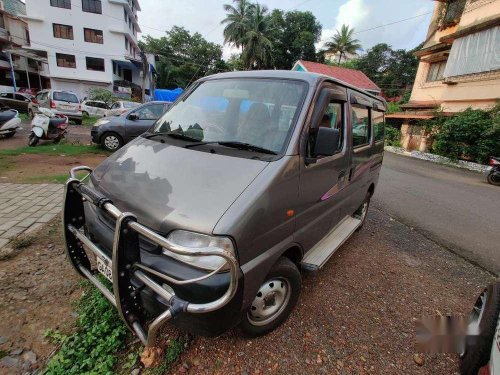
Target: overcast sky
x,y
204,16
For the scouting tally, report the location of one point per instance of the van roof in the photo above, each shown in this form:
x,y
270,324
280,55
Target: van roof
x,y
311,78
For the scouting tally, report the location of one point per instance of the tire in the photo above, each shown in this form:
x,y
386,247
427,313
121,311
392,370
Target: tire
x,y
111,141
362,211
284,274
10,135
494,178
85,114
33,140
78,122
477,353
57,140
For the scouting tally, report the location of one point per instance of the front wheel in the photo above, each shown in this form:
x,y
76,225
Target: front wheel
x,y
33,140
111,141
275,299
494,178
362,211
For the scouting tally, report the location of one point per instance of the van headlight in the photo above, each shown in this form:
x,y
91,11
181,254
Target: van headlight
x,y
196,241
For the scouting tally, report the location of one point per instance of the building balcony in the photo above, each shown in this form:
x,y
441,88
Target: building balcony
x,y
131,7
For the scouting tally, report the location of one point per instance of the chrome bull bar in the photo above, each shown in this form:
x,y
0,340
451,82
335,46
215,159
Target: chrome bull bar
x,y
126,261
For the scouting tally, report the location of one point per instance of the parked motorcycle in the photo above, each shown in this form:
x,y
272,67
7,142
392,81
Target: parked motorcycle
x,y
47,126
494,175
9,122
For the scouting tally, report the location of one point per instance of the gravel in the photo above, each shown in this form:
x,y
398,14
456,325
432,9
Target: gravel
x,y
357,315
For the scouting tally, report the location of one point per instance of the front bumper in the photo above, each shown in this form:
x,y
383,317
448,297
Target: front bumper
x,y
139,276
94,134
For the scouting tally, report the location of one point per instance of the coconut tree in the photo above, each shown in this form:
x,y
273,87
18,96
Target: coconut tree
x,y
257,48
343,43
236,21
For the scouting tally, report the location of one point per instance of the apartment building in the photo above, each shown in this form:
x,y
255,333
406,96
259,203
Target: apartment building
x,y
459,66
88,43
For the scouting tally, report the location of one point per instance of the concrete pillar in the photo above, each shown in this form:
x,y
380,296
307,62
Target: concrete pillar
x,y
405,134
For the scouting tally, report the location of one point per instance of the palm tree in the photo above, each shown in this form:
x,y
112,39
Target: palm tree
x,y
257,48
343,43
236,21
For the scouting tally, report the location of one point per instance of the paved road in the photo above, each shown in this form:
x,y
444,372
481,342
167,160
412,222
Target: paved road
x,y
454,207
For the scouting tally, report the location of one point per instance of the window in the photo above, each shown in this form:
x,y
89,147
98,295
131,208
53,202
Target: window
x,y
22,98
7,95
378,122
66,61
62,31
126,43
94,63
65,96
360,120
66,4
150,112
28,41
332,118
93,36
2,22
436,71
92,6
125,14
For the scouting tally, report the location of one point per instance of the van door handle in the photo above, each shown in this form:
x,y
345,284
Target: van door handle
x,y
341,178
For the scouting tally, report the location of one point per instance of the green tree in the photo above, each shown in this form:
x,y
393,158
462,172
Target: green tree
x,y
343,43
257,48
293,35
184,57
237,21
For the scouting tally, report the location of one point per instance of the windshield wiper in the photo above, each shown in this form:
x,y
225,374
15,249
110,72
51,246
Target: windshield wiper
x,y
247,146
173,135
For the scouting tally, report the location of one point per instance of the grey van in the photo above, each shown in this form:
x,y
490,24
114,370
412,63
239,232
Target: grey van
x,y
61,102
208,219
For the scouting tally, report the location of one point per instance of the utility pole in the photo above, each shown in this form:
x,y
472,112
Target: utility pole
x,y
145,72
13,74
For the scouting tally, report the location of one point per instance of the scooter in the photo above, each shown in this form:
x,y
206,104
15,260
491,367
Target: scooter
x,y
494,175
9,122
47,126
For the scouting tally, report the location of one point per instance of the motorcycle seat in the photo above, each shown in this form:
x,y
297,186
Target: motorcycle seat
x,y
56,121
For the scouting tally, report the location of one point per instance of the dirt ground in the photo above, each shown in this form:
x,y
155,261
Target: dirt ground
x,y
355,316
37,287
33,168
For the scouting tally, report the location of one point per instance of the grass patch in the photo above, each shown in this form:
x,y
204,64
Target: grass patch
x,y
89,120
6,164
99,335
24,117
55,149
55,179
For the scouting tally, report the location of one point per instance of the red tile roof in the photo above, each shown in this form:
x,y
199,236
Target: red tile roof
x,y
354,77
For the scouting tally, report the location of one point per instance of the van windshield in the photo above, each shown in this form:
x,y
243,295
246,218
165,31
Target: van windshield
x,y
65,97
257,112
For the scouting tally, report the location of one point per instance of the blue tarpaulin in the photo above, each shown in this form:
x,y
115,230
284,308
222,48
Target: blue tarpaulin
x,y
168,95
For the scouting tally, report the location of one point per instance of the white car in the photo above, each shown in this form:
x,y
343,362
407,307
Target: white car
x,y
121,107
94,108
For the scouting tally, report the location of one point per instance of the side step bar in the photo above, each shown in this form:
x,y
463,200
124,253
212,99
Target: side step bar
x,y
316,258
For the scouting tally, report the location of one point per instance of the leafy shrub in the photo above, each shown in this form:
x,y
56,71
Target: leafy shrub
x,y
392,136
102,95
472,135
92,347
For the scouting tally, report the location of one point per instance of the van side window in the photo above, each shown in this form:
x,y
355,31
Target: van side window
x,y
360,119
378,122
332,118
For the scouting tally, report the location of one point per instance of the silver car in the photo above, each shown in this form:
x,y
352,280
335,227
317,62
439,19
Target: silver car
x,y
211,215
61,102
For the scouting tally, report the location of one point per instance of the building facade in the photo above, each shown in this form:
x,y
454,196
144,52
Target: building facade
x,y
88,43
459,65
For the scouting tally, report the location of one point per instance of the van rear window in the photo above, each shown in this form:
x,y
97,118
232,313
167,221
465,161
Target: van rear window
x,y
66,97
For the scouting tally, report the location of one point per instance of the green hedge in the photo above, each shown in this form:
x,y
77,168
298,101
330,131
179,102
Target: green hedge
x,y
471,135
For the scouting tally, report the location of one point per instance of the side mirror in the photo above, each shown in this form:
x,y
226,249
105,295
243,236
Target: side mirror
x,y
133,117
326,142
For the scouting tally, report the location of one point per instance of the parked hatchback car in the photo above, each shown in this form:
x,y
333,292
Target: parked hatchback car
x,y
18,101
207,219
61,102
114,131
94,108
120,107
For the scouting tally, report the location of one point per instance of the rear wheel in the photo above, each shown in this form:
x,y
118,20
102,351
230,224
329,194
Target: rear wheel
x,y
85,114
78,122
275,299
33,140
111,141
494,178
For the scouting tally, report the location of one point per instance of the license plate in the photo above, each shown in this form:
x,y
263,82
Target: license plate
x,y
105,269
